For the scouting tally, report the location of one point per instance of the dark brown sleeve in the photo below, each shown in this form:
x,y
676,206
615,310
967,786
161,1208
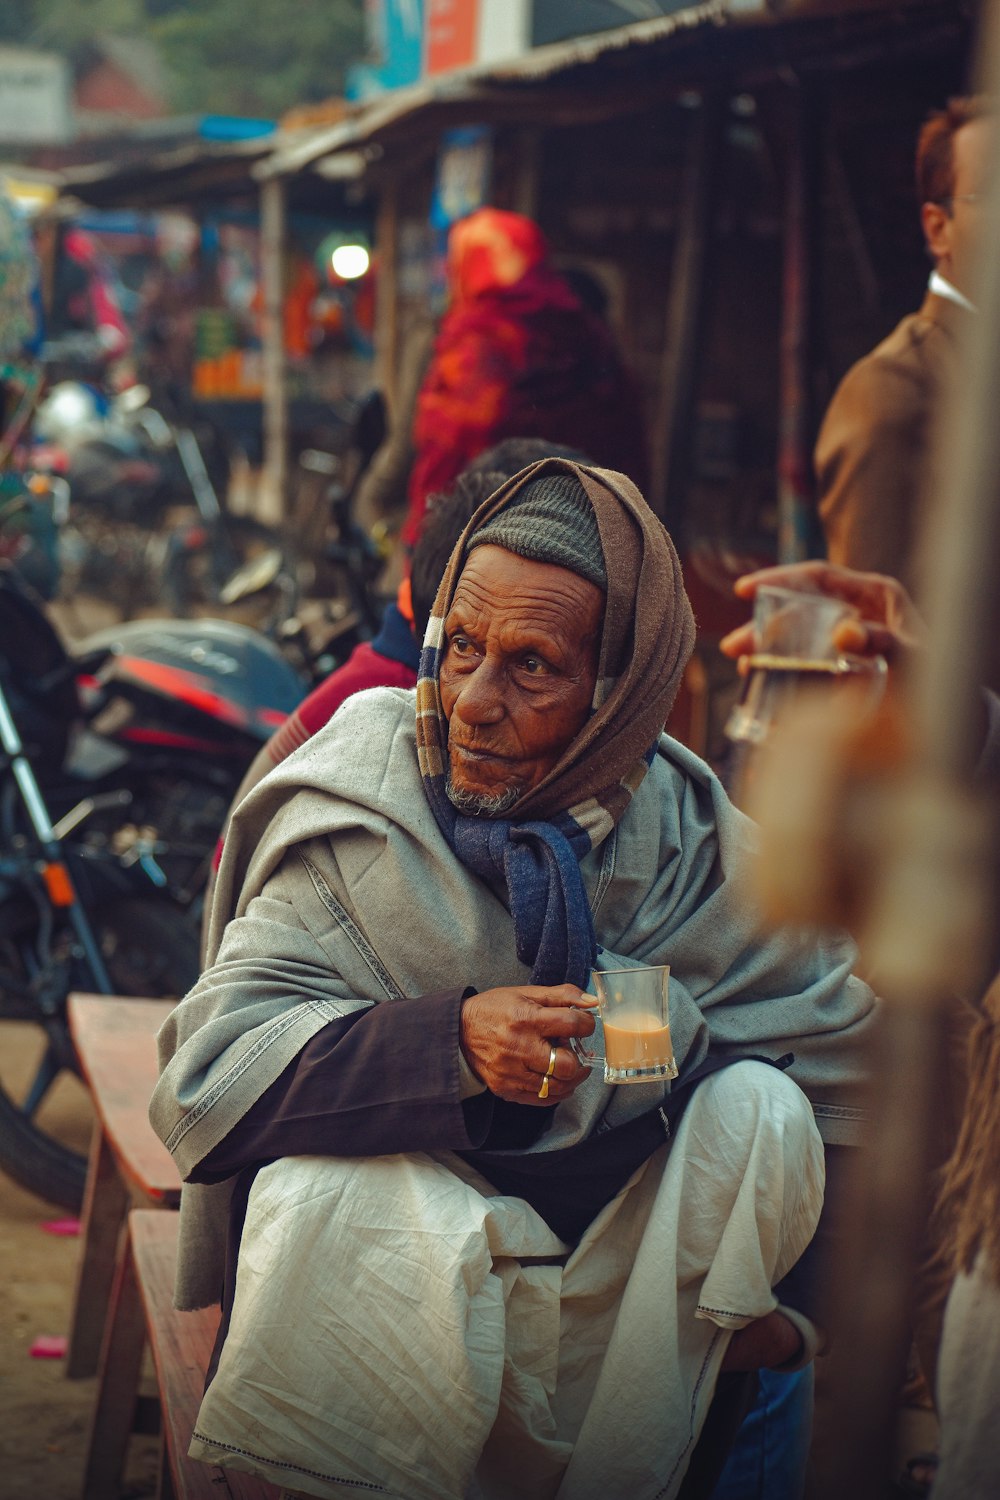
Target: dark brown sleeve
x,y
382,1080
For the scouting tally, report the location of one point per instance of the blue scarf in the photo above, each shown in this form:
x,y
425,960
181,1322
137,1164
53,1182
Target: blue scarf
x,y
539,864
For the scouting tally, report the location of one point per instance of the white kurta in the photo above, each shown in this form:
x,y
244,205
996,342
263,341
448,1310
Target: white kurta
x,y
401,1330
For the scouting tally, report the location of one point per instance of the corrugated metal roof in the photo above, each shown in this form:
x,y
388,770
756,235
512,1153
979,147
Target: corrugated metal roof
x,y
305,146
468,84
162,177
496,89
558,57
499,90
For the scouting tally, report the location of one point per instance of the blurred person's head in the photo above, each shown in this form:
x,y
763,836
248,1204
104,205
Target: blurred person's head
x,y
445,518
491,249
952,157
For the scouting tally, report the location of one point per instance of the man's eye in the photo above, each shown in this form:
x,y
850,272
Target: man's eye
x,y
461,645
534,665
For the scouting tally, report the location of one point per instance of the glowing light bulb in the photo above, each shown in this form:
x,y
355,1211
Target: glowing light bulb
x,y
350,261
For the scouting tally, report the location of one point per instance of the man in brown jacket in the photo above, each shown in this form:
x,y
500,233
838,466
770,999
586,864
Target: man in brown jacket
x,y
875,442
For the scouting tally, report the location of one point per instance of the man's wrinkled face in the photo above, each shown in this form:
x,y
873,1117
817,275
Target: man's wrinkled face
x,y
953,229
518,674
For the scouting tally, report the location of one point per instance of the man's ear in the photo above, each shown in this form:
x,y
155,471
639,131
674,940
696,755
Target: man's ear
x,y
936,222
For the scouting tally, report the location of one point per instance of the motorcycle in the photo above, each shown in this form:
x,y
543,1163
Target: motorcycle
x,y
147,525
120,758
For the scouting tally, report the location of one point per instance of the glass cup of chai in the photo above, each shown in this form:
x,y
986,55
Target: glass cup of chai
x,y
793,656
635,1019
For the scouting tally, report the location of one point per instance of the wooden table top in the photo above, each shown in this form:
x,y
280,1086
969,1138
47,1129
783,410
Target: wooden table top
x,y
115,1041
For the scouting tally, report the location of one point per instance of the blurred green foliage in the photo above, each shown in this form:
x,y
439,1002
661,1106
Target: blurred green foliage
x,y
244,57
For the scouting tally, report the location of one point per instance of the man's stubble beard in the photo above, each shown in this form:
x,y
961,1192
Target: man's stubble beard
x,y
481,804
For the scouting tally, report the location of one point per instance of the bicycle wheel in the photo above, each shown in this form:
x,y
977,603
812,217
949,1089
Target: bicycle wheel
x,y
150,949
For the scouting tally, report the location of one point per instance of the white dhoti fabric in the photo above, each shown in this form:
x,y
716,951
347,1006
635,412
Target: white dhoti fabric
x,y
968,1389
401,1330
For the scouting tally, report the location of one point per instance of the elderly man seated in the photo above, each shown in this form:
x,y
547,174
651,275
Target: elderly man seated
x,y
453,1261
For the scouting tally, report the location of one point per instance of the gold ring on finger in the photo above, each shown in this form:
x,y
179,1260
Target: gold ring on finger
x,y
543,1092
552,1063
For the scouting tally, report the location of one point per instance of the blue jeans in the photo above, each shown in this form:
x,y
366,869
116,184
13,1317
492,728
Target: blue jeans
x,y
768,1459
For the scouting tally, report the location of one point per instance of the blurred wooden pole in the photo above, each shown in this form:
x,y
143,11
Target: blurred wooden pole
x,y
272,238
932,917
387,294
528,171
684,335
796,510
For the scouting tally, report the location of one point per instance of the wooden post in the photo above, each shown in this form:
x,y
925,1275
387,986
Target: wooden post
x,y
684,332
854,231
796,519
117,1385
387,293
527,146
104,1211
272,218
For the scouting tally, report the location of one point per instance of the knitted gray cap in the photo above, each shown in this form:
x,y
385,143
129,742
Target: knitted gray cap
x,y
550,521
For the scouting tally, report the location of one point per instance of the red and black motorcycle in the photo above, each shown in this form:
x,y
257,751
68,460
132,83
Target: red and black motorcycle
x,y
118,762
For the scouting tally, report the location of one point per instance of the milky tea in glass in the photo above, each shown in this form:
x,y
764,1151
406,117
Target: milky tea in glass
x,y
636,1024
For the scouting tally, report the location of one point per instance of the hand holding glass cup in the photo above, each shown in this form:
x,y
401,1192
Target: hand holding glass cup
x,y
635,1017
793,654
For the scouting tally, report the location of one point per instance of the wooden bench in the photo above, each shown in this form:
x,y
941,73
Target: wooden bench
x,y
181,1344
115,1041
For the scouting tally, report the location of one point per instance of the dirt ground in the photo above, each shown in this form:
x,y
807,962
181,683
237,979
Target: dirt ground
x,y
43,1416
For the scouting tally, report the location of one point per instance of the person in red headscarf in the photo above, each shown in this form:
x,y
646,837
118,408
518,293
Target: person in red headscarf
x,y
517,355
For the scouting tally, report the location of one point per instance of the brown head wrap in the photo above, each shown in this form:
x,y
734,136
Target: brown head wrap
x,y
647,637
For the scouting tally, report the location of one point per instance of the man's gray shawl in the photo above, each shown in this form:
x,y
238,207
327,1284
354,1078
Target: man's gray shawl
x,y
340,892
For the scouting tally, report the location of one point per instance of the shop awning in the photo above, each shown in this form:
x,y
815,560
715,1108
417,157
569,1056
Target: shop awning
x,y
612,72
471,89
161,179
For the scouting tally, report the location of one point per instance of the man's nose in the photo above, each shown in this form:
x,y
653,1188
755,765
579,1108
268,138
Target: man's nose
x,y
480,697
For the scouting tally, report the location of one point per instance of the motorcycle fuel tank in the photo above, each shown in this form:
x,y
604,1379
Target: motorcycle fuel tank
x,y
212,676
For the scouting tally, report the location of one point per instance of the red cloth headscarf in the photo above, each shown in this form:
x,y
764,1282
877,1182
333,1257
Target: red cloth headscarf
x,y
517,355
492,249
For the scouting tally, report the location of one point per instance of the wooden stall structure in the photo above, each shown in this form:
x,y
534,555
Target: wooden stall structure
x,y
737,177
265,399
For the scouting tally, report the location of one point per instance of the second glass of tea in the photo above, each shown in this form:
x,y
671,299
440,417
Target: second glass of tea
x,y
635,1016
793,654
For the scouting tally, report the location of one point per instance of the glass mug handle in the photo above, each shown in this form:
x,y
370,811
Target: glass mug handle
x,y
578,1045
582,1047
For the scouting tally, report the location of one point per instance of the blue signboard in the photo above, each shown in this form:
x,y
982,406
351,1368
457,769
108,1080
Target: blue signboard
x,y
233,128
396,35
464,168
